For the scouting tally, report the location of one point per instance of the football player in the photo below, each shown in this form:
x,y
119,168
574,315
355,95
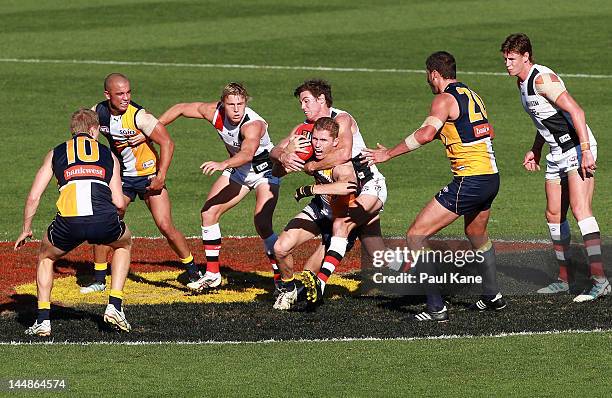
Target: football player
x,y
89,182
245,135
459,119
570,164
131,132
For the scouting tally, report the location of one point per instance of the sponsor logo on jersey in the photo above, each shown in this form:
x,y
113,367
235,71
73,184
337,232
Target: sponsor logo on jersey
x,y
482,130
128,132
84,171
564,138
148,163
533,103
261,167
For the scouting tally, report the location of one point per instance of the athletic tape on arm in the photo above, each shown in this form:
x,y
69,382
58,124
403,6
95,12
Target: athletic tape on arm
x,y
411,141
548,85
146,122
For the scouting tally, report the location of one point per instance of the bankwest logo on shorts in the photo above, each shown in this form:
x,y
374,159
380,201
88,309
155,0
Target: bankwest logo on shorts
x,y
483,130
84,171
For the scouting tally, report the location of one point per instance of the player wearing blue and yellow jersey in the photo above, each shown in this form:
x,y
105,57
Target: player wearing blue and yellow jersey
x,y
131,132
89,184
459,119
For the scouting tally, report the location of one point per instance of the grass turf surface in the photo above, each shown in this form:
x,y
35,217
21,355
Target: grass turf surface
x,y
474,367
38,98
387,106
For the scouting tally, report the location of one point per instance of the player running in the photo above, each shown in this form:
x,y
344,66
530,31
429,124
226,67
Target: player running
x,y
249,168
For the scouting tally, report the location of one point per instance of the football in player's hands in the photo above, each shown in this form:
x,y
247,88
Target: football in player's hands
x,y
305,130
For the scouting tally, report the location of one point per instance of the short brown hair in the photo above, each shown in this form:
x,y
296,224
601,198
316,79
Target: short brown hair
x,y
444,63
517,43
113,76
316,88
82,120
328,124
234,88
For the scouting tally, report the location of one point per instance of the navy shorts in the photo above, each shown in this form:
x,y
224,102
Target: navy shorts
x,y
66,233
133,186
314,212
469,194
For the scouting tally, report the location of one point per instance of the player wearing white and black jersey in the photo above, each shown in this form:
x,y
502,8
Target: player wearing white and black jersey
x,y
315,98
570,165
245,135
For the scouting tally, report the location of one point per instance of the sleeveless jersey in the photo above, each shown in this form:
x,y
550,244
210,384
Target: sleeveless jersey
x,y
140,160
363,172
553,124
232,138
83,168
468,138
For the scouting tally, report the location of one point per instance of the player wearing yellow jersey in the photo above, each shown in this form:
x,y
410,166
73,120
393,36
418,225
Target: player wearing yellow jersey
x,y
459,119
89,184
131,132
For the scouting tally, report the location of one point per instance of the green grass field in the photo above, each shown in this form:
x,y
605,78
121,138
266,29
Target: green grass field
x,y
476,367
54,56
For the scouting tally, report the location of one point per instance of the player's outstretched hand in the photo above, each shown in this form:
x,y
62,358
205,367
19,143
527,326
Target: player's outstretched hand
x,y
208,168
373,156
303,192
21,240
531,162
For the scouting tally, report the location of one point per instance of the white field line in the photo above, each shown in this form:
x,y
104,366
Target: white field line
x,y
332,340
269,67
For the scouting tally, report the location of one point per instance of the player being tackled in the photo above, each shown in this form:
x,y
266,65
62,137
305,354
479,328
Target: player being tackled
x,y
316,218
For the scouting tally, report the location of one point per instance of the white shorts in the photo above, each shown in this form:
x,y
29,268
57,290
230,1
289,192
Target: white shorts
x,y
248,178
375,187
558,165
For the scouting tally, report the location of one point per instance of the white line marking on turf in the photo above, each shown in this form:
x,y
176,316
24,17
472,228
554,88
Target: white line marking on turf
x,y
273,67
332,340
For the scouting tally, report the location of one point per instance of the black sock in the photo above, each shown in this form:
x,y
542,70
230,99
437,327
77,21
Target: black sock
x,y
116,301
43,315
488,270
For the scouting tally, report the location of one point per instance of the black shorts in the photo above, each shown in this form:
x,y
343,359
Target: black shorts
x,y
325,224
469,194
133,186
66,233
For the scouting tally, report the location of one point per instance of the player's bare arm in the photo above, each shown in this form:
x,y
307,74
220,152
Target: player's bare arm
x,y
160,136
345,183
531,162
192,110
287,158
115,187
342,152
41,181
443,107
251,135
567,103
